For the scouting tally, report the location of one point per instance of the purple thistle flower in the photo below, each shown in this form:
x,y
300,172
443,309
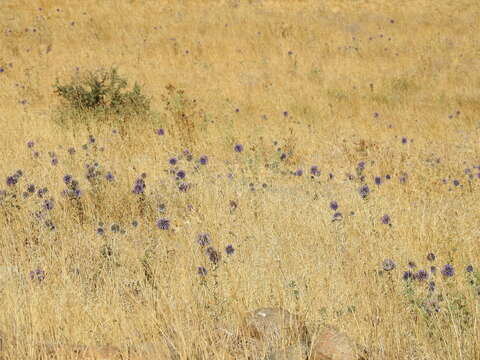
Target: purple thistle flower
x,y
229,250
469,269
404,140
431,257
285,113
433,269
109,176
364,191
11,180
181,174
314,170
160,132
431,286
30,144
387,177
337,216
31,188
283,156
54,161
134,223
204,160
386,219
100,231
299,172
37,274
67,179
202,271
334,205
378,180
183,187
139,186
388,264
407,275
163,224
421,275
456,182
238,148
91,139
203,239
403,179
213,255
448,270
172,161
48,204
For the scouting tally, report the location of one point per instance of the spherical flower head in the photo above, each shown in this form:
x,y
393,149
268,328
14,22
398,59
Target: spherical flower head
x,y
181,174
134,223
67,179
361,166
213,255
30,144
139,186
386,219
299,172
48,204
314,170
31,188
109,176
11,180
431,286
433,269
163,224
469,269
54,161
404,140
91,139
407,275
388,177
337,216
378,180
421,275
431,257
364,191
456,182
229,250
334,205
100,231
283,156
37,274
202,271
448,270
238,148
388,265
183,187
203,239
204,160
160,132
172,161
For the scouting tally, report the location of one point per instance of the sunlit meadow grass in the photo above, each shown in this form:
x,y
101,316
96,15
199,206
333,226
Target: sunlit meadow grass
x,y
246,96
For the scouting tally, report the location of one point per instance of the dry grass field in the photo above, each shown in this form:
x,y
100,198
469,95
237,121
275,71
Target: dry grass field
x,y
307,155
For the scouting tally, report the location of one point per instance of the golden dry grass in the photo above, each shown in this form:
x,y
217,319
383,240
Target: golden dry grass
x,y
414,72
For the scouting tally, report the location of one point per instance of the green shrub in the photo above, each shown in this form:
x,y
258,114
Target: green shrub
x,y
101,94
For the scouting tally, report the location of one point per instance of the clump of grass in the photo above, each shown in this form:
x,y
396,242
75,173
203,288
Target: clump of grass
x,y
101,95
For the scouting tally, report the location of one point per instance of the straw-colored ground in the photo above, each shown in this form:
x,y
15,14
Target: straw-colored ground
x,y
354,76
